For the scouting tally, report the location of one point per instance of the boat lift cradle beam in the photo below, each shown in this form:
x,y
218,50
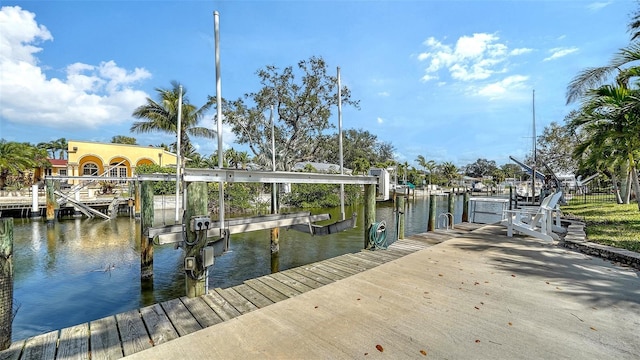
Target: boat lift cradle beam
x,y
239,176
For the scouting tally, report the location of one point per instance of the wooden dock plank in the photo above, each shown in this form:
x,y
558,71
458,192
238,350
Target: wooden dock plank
x,y
182,320
13,352
238,301
252,295
105,342
41,347
284,289
201,311
132,332
158,324
370,262
302,279
292,283
311,275
267,291
335,265
330,271
355,262
220,306
74,343
381,254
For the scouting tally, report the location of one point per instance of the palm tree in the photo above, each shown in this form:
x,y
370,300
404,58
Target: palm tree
x,y
610,118
449,171
16,158
162,116
361,166
427,165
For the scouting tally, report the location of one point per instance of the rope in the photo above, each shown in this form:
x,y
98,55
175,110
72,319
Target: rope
x,y
378,236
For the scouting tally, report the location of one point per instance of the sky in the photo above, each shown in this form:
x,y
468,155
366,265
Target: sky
x,y
453,81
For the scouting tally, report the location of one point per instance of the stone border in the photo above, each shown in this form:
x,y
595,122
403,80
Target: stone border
x,y
576,239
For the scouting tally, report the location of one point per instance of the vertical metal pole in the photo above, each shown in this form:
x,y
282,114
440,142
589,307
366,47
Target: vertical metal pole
x,y
533,167
216,25
275,232
6,281
179,155
342,214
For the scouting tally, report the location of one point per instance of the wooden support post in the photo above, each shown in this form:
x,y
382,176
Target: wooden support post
x,y
451,203
146,221
431,224
6,281
52,204
510,197
400,209
197,205
136,200
35,206
369,210
465,207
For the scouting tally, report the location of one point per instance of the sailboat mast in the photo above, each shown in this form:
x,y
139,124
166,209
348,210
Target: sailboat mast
x,y
533,166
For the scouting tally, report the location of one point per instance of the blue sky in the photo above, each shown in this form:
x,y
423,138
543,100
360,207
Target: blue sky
x,y
449,80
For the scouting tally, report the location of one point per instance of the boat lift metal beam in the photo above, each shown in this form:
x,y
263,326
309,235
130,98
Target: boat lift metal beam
x,y
173,233
239,176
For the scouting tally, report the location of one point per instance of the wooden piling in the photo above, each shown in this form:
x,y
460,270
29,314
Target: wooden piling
x,y
52,204
465,207
369,210
451,203
136,199
431,224
197,205
400,211
6,281
146,221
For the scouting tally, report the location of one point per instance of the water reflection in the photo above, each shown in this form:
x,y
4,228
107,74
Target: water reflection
x,y
78,270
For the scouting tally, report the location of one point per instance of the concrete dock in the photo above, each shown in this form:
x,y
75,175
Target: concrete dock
x,y
481,295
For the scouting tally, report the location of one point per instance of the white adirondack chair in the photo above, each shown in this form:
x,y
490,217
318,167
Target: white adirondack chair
x,y
538,223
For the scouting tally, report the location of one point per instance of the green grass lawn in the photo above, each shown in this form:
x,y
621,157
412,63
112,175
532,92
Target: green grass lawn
x,y
609,223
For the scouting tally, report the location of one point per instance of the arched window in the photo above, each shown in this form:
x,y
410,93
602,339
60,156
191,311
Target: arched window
x,y
90,169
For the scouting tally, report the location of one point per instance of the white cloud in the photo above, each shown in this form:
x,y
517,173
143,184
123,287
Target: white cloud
x,y
503,87
89,95
557,53
595,6
380,120
475,57
384,93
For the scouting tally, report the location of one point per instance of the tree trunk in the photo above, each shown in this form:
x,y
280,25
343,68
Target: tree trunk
x,y
634,177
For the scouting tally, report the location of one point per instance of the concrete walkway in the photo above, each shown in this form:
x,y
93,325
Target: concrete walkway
x,y
480,296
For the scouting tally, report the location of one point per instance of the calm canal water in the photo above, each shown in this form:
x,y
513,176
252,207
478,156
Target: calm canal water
x,y
78,270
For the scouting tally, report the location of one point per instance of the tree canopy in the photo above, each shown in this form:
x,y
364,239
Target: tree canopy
x,y
302,102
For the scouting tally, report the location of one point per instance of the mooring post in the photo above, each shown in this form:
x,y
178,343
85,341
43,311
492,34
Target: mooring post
x,y
197,205
52,204
431,224
369,210
451,203
136,201
146,221
35,206
6,281
400,210
465,207
510,197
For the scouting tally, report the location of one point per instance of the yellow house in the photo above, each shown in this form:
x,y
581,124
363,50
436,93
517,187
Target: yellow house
x,y
114,160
